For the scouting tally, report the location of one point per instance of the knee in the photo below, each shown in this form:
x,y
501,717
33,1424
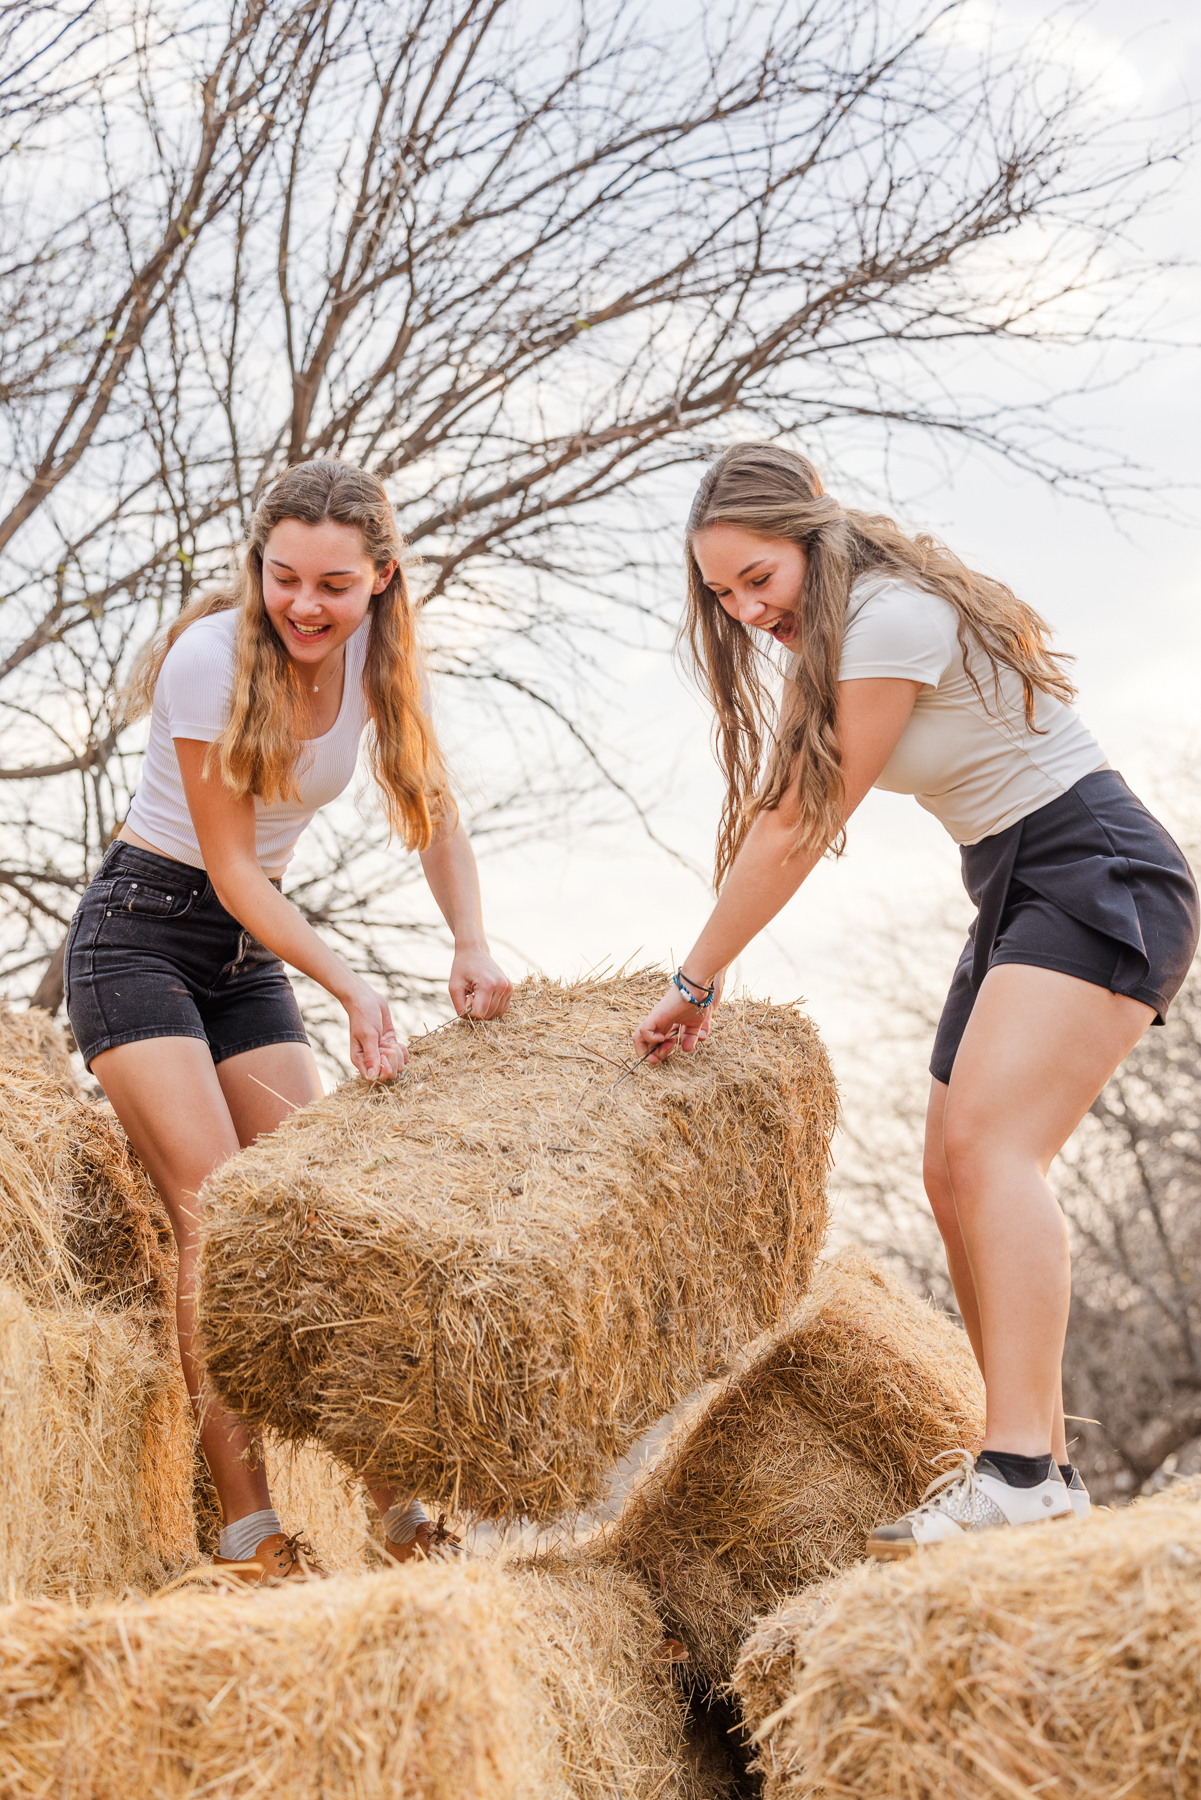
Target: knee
x,y
979,1151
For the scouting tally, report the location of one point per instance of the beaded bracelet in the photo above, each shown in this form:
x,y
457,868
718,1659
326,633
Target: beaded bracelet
x,y
684,982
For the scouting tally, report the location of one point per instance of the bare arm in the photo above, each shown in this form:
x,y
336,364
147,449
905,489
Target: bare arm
x,y
767,872
477,984
225,833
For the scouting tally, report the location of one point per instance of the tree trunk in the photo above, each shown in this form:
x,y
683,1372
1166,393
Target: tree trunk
x,y
50,988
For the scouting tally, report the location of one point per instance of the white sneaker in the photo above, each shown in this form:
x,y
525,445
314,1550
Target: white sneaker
x,y
1078,1495
973,1497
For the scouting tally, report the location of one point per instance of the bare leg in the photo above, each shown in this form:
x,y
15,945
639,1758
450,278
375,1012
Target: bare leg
x,y
937,1179
1038,1049
184,1118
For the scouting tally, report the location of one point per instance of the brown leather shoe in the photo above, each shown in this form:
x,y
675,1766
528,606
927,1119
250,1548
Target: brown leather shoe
x,y
429,1540
280,1557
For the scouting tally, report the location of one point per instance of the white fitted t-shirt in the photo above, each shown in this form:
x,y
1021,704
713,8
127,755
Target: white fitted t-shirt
x,y
191,700
975,764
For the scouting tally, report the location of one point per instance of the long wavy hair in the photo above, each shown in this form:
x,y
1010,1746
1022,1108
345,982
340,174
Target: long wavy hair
x,y
767,754
263,741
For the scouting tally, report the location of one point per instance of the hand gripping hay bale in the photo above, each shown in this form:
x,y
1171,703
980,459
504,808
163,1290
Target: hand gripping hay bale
x,y
95,1454
829,1426
1055,1660
427,1683
483,1282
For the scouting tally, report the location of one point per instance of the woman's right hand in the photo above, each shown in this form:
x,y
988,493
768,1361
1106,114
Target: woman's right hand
x,y
375,1050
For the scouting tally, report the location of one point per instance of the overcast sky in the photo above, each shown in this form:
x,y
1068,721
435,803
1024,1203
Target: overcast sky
x,y
1122,594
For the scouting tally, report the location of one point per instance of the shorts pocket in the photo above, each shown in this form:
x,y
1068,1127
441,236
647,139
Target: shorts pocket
x,y
149,899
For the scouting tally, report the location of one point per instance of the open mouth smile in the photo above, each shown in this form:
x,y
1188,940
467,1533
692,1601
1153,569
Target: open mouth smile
x,y
308,634
782,629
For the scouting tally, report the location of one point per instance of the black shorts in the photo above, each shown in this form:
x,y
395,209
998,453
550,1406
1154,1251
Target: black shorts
x,y
153,953
1091,885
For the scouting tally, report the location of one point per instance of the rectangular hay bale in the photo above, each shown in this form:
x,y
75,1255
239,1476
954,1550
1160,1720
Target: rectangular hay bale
x,y
1060,1659
79,1221
432,1682
95,1454
827,1428
483,1282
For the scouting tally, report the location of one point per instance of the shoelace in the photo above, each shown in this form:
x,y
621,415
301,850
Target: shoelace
x,y
933,1500
299,1552
443,1540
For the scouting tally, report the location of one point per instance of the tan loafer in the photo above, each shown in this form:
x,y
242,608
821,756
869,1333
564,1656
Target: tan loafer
x,y
281,1557
429,1540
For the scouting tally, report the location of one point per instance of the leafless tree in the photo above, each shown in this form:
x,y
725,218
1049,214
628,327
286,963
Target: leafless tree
x,y
1129,1181
521,265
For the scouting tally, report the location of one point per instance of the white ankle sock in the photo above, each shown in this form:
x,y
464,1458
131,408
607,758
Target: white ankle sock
x,y
401,1522
241,1539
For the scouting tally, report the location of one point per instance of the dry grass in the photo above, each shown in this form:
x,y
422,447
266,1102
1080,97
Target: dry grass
x,y
1059,1661
771,1483
428,1683
95,1454
29,1034
483,1282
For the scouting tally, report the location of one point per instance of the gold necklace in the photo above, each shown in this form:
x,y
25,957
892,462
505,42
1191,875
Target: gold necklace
x,y
316,687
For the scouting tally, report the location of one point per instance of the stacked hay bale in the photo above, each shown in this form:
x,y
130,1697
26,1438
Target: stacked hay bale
x,y
95,1449
434,1682
483,1282
80,1219
1062,1660
95,1428
104,1494
29,1034
828,1427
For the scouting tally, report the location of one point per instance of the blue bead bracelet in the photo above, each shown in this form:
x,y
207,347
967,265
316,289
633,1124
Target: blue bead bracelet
x,y
684,982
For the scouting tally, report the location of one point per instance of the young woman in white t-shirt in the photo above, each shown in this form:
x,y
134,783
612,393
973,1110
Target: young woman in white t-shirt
x,y
906,670
259,696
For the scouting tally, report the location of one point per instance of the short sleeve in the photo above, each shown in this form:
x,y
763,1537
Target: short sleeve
x,y
901,632
194,685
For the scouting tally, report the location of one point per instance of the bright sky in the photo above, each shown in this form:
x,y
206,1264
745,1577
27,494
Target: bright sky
x,y
1123,595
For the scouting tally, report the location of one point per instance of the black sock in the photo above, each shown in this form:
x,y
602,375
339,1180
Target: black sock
x,y
1017,1471
1067,1471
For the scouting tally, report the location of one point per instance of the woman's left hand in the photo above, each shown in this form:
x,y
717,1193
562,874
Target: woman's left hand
x,y
675,1023
478,985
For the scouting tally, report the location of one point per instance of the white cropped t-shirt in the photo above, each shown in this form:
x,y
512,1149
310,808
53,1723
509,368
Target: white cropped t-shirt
x,y
191,700
974,763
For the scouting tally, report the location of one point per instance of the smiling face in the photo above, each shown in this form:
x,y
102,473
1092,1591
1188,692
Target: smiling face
x,y
317,585
757,580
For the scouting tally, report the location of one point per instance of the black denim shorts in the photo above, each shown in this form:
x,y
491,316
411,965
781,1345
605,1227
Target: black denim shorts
x,y
1091,885
153,953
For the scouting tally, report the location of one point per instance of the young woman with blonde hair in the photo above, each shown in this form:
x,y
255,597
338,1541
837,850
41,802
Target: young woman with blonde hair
x,y
259,695
908,671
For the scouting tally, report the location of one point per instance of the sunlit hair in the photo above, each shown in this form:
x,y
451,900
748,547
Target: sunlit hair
x,y
771,490
262,744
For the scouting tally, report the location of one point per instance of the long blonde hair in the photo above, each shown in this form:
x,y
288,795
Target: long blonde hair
x,y
768,489
259,749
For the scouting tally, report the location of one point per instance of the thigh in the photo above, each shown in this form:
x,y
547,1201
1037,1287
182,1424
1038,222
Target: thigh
x,y
934,1162
1037,1050
264,1087
167,1096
